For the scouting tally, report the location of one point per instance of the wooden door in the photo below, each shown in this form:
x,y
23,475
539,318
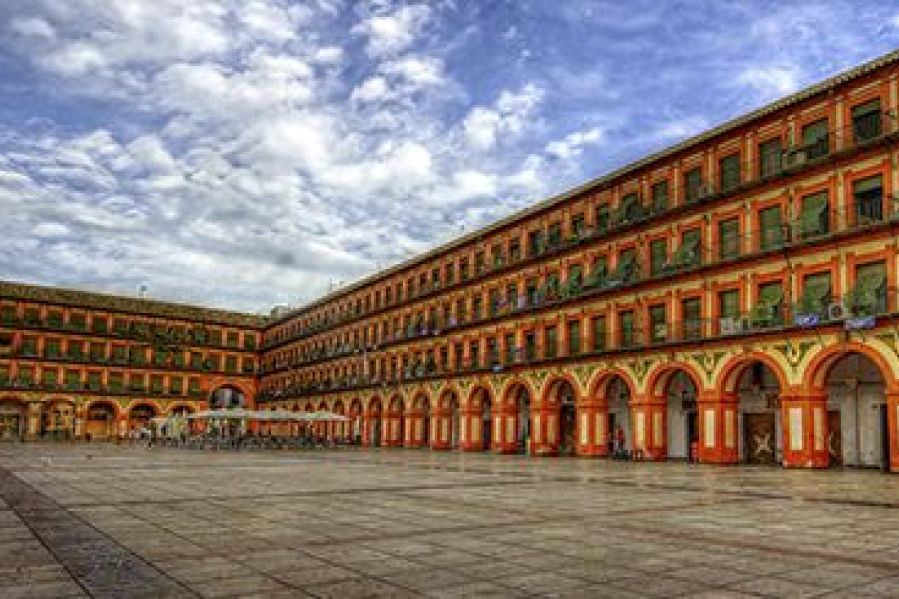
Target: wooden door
x,y
760,438
834,438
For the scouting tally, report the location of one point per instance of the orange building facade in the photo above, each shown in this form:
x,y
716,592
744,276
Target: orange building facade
x,y
77,365
731,299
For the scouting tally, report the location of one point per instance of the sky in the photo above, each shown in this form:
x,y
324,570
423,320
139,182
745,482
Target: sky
x,y
248,153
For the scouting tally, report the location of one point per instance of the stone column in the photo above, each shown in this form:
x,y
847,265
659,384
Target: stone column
x,y
892,399
366,428
470,422
649,427
33,421
392,434
545,434
804,423
717,423
592,424
441,428
505,426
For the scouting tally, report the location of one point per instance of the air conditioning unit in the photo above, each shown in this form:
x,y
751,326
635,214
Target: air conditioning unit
x,y
796,158
728,326
837,311
705,191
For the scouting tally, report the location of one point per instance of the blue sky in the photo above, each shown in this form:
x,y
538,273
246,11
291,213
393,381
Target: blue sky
x,y
245,153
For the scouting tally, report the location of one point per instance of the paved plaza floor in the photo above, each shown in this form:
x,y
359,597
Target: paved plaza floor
x,y
110,521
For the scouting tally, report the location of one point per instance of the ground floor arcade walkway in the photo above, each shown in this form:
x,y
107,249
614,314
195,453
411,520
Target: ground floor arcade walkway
x,y
106,520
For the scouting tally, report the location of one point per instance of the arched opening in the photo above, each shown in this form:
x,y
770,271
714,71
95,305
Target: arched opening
x,y
140,417
227,397
521,399
395,422
101,422
422,426
683,424
340,427
618,398
450,420
374,410
355,415
58,420
12,420
758,390
486,419
856,413
563,395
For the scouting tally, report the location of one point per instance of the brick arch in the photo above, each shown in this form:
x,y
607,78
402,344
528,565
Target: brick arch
x,y
658,379
734,368
396,403
309,407
218,382
506,393
157,409
553,381
472,394
375,400
339,407
117,410
443,401
815,373
421,400
599,385
323,406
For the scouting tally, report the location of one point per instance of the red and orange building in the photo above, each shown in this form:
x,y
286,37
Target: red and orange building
x,y
731,299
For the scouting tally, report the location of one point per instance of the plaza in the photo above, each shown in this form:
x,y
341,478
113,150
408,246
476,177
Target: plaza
x,y
110,520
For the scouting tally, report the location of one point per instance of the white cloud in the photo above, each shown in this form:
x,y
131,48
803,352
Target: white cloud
x,y
770,81
372,89
416,70
394,32
32,27
511,114
572,145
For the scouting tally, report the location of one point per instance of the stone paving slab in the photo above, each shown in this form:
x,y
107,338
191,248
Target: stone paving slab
x,y
116,521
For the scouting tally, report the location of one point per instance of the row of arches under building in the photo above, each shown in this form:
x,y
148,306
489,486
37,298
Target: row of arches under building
x,y
102,419
854,388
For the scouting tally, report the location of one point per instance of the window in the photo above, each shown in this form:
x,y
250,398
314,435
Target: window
x,y
598,324
480,261
626,322
814,217
535,243
459,353
49,378
602,217
156,383
658,256
729,171
578,225
658,328
509,342
866,120
474,353
495,302
691,315
693,185
54,319
97,351
435,277
660,196
815,294
449,273
512,299
869,294
120,326
768,308
78,321
231,364
814,139
72,379
176,385
496,255
493,351
555,234
770,155
628,209
868,195
476,312
94,380
463,269
193,386
29,346
551,344
729,303
32,316
770,228
532,290
8,314
729,238
574,337
530,346
690,250
75,349
51,348
514,250
249,341
232,338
